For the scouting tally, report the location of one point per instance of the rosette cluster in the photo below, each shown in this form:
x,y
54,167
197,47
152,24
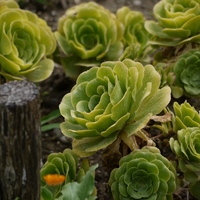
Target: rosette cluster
x,y
185,143
187,150
106,99
87,35
177,22
26,41
187,73
143,174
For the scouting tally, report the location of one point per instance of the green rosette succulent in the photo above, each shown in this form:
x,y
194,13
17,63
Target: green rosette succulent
x,y
136,38
184,116
26,41
177,22
73,185
187,149
88,34
187,73
64,163
106,99
143,174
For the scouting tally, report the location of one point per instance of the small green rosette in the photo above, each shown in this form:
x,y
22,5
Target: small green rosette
x,y
187,150
187,73
184,116
143,174
79,182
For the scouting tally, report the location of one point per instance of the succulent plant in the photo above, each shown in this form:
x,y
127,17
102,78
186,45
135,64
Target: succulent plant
x,y
184,116
26,41
88,34
143,174
62,164
185,143
106,99
177,22
135,35
187,149
60,173
187,73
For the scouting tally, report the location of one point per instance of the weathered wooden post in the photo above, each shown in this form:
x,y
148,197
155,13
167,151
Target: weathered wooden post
x,y
20,141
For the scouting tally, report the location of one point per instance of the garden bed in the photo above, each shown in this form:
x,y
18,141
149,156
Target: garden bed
x,y
54,88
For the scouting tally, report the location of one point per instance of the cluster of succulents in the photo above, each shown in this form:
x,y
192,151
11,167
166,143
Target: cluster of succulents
x,y
116,100
126,69
117,96
185,143
89,34
176,32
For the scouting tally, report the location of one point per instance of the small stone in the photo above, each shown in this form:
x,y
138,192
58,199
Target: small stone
x,y
64,139
137,2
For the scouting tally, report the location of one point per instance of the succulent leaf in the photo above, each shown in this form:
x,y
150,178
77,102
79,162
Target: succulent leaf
x,y
82,190
194,189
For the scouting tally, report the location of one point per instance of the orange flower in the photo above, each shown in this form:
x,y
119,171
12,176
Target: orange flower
x,y
54,179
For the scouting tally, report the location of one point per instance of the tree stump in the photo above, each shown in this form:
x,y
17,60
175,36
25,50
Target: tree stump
x,y
20,141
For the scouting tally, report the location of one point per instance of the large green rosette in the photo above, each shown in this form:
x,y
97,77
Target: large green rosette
x,y
88,34
106,99
143,174
26,41
177,22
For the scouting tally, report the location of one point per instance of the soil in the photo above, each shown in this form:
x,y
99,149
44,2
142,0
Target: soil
x,y
54,88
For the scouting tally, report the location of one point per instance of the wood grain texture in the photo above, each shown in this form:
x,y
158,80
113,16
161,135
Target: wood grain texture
x,y
20,141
